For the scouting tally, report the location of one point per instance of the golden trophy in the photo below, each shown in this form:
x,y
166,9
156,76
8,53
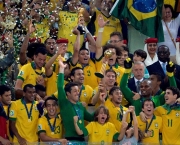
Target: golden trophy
x,y
81,21
107,55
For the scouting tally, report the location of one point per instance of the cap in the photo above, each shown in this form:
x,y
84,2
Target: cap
x,y
151,40
62,40
32,40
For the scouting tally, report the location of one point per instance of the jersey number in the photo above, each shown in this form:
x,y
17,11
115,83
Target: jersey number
x,y
169,122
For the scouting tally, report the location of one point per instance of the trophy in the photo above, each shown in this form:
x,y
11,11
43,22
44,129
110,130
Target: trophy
x,y
107,55
81,21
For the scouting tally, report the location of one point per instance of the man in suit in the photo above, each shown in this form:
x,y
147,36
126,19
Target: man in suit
x,y
160,66
138,71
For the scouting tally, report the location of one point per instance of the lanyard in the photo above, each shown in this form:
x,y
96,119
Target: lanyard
x,y
121,114
77,110
28,113
148,126
52,127
80,91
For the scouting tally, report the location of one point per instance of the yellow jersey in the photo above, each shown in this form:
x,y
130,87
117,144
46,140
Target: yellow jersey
x,y
89,73
101,134
51,84
155,127
42,30
113,26
171,125
124,101
116,114
43,126
28,74
67,22
26,127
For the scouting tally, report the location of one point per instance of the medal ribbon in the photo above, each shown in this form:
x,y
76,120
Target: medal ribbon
x,y
148,126
52,127
121,113
28,113
77,111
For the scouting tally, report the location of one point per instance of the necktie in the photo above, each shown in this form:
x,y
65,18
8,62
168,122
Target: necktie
x,y
138,86
164,67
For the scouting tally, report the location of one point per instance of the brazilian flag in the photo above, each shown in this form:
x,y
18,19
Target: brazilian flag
x,y
144,15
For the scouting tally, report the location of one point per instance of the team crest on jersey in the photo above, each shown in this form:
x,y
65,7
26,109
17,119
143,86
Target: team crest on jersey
x,y
177,114
11,113
39,127
21,73
118,73
107,131
156,125
85,94
35,108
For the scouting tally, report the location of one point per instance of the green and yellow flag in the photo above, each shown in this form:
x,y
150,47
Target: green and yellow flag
x,y
144,15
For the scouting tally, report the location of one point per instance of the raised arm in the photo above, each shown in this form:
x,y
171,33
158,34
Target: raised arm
x,y
23,49
60,84
135,123
124,125
101,23
48,66
128,94
77,46
170,67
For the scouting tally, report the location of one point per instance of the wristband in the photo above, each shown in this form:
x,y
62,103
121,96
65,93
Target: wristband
x,y
100,29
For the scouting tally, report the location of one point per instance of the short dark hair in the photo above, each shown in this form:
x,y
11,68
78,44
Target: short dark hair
x,y
27,86
111,91
96,113
83,47
41,50
31,49
40,88
148,100
158,76
111,70
51,98
68,86
171,8
174,90
47,39
74,70
108,46
117,34
125,48
141,53
3,89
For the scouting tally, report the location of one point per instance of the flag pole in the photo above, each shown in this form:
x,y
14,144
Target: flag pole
x,y
115,4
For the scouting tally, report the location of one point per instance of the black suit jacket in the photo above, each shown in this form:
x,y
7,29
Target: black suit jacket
x,y
132,84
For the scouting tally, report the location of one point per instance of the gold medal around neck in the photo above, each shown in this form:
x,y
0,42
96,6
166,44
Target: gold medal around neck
x,y
52,133
29,120
145,134
80,121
